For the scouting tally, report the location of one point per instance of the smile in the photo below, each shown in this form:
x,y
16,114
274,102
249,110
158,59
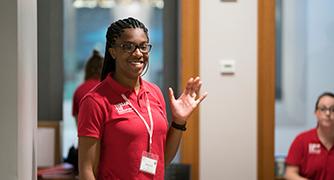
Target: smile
x,y
136,62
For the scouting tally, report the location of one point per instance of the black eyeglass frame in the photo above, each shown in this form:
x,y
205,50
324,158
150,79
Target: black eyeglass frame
x,y
132,47
325,109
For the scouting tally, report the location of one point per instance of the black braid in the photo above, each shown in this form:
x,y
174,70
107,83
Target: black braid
x,y
115,30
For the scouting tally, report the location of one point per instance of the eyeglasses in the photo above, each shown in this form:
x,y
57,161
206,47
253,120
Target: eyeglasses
x,y
325,109
130,47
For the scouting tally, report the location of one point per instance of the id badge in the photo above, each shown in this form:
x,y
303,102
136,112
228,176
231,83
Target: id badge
x,y
149,162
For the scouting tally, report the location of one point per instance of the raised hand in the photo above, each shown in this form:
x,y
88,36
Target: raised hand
x,y
183,106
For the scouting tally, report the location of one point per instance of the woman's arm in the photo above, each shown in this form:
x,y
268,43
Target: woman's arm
x,y
89,155
181,109
172,144
292,173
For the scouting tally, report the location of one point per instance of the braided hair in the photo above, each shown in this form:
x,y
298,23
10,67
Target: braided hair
x,y
115,31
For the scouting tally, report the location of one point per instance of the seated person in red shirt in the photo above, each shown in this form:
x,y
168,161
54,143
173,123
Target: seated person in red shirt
x,y
93,70
122,126
311,155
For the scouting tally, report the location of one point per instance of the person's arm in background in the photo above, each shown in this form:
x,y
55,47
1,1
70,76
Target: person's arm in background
x,y
75,107
76,120
292,173
181,109
89,155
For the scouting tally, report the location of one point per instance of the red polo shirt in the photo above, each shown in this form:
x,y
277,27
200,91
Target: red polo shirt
x,y
310,155
105,115
80,92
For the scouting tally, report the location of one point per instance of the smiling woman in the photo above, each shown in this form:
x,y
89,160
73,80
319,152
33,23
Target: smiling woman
x,y
84,30
130,61
122,127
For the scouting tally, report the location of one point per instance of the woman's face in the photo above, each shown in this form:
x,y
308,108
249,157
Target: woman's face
x,y
130,60
325,112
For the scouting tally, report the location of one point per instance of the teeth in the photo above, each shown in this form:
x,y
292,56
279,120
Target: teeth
x,y
136,62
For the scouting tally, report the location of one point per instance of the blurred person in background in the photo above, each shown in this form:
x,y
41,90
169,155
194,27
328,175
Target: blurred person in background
x,y
93,68
311,155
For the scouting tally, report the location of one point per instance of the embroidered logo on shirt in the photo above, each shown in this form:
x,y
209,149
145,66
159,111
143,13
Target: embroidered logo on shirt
x,y
123,108
314,148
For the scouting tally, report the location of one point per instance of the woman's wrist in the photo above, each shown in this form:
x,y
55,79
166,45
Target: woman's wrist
x,y
179,125
178,121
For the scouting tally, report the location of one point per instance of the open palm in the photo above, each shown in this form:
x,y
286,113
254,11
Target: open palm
x,y
183,106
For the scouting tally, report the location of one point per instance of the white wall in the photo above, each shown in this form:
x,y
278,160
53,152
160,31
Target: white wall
x,y
8,95
18,79
228,117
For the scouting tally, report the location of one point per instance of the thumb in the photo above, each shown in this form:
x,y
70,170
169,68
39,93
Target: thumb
x,y
171,95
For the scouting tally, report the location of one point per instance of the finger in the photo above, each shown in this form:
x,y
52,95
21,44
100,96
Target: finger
x,y
201,98
193,86
171,94
197,79
188,86
198,87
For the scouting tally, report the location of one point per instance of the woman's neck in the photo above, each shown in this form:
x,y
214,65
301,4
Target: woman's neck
x,y
326,136
128,82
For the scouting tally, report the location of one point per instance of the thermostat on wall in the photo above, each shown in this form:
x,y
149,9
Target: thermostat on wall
x,y
227,66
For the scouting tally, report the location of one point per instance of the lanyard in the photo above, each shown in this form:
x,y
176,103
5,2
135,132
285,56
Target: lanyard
x,y
148,128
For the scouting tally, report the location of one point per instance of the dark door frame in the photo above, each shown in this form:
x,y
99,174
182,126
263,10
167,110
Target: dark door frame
x,y
266,89
189,67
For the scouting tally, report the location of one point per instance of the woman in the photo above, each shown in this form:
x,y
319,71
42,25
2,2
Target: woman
x,y
311,155
93,70
123,128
